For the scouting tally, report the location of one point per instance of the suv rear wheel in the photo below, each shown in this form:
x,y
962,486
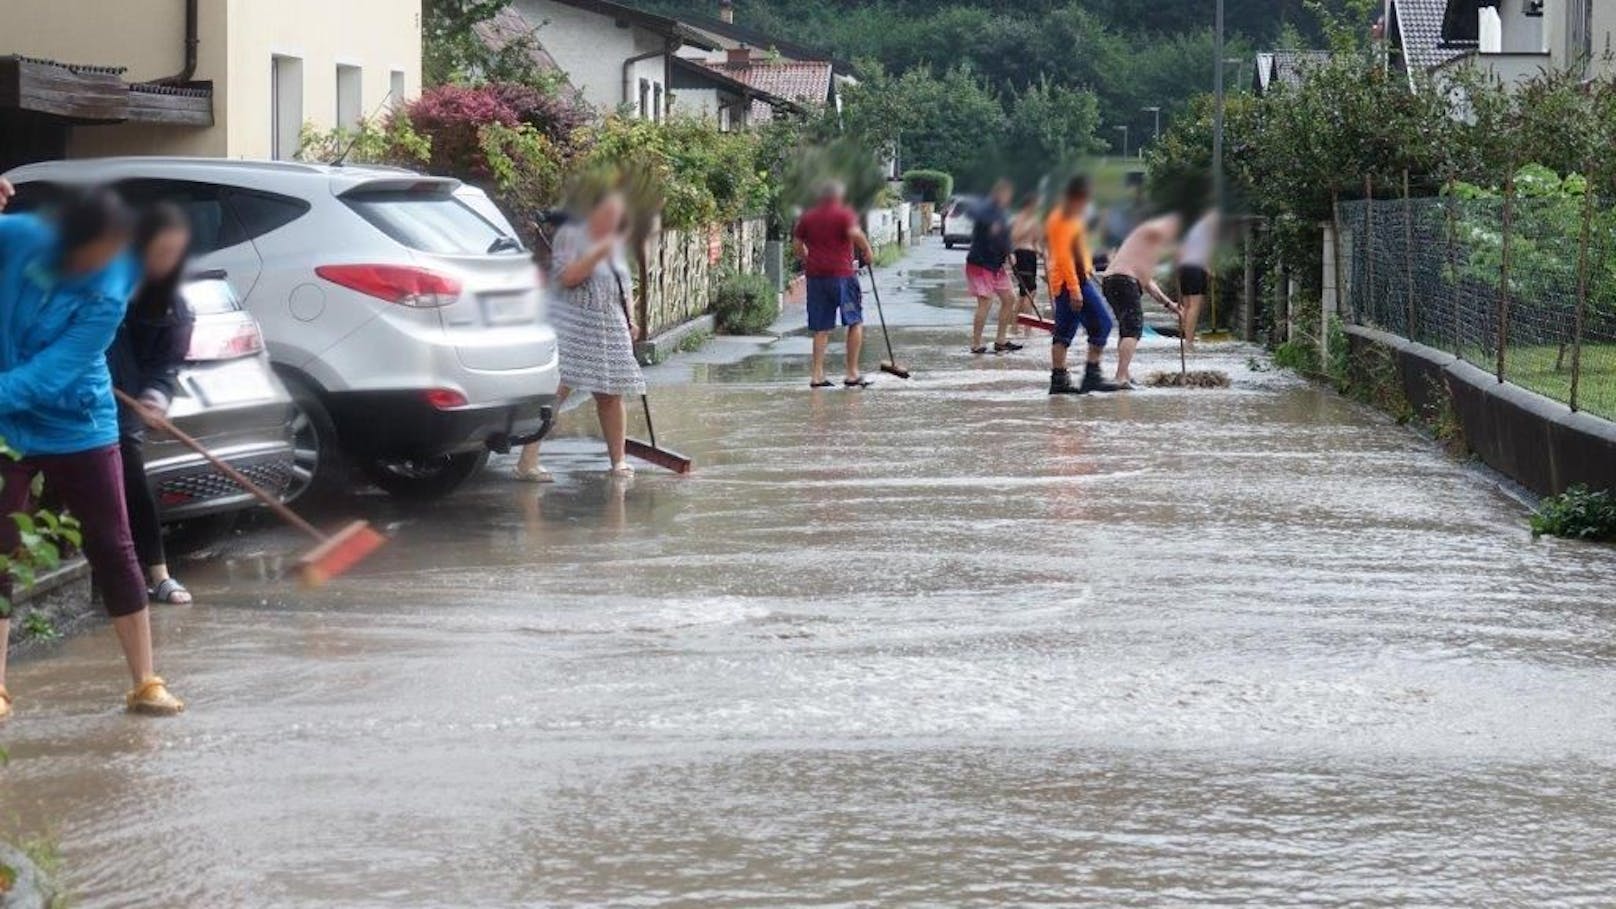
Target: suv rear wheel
x,y
318,467
424,480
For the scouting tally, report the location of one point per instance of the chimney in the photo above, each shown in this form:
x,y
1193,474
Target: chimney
x,y
738,57
726,11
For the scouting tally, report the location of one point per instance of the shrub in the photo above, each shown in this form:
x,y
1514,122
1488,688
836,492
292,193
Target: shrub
x,y
43,536
1578,514
745,304
930,185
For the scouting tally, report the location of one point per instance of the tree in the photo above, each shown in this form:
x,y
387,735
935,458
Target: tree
x,y
452,50
1051,129
951,123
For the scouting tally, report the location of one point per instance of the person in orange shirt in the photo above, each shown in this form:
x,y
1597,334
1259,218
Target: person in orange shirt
x,y
1076,294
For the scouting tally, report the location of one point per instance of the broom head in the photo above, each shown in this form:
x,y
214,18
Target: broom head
x,y
894,369
1195,378
1032,321
340,552
661,457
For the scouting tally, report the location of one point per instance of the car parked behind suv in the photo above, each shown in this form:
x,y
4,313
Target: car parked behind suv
x,y
958,225
228,398
408,327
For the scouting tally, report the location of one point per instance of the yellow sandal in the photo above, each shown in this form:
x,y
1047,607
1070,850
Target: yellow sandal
x,y
152,698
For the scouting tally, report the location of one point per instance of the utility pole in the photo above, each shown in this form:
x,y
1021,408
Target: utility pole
x,y
1217,116
1157,111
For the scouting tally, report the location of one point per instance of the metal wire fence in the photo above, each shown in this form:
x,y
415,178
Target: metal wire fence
x,y
1522,286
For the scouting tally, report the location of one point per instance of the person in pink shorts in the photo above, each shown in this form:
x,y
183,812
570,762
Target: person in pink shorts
x,y
987,268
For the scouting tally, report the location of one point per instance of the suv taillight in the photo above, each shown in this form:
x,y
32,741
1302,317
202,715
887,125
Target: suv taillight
x,y
224,340
400,284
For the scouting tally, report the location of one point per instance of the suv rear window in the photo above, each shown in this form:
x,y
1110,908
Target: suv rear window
x,y
442,225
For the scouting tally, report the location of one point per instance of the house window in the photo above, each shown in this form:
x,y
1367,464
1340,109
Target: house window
x,y
395,88
657,110
645,98
286,107
350,96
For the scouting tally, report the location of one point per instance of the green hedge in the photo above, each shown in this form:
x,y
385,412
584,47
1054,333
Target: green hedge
x,y
745,304
930,185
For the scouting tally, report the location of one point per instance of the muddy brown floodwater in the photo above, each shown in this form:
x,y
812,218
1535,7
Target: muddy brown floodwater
x,y
943,642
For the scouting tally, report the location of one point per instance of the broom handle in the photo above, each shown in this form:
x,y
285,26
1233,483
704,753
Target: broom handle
x,y
628,320
163,424
882,315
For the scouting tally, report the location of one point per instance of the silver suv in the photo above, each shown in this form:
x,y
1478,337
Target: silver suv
x,y
402,311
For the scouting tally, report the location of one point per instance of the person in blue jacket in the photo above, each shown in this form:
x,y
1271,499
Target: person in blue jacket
x,y
63,292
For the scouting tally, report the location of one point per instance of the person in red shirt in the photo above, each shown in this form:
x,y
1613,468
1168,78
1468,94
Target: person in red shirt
x,y
825,239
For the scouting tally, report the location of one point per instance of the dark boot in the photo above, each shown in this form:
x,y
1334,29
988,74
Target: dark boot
x,y
1060,383
1093,381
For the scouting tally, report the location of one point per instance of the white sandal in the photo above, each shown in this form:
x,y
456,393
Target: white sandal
x,y
624,470
534,475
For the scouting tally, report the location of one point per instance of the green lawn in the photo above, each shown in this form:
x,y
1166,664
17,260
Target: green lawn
x,y
1534,368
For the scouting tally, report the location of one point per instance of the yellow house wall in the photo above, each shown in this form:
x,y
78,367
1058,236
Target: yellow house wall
x,y
238,39
377,35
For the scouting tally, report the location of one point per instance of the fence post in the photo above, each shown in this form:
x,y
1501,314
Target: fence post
x,y
1501,330
1248,322
1453,274
1408,256
1340,283
1582,288
1370,303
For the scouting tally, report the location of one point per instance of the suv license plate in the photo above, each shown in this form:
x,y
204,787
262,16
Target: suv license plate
x,y
508,309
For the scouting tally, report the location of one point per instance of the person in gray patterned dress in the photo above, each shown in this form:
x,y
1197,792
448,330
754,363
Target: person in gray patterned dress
x,y
594,336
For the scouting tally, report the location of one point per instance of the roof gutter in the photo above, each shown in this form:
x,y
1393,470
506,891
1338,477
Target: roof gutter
x,y
191,43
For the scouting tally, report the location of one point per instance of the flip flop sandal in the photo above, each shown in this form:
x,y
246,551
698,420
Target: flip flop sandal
x,y
5,705
624,471
860,382
979,351
534,475
1007,347
825,384
166,592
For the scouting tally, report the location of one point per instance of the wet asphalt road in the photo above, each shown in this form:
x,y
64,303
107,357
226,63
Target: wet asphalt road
x,y
944,642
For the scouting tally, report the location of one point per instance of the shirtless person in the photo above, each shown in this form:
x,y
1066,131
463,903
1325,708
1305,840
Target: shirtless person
x,y
1027,236
1131,274
1195,272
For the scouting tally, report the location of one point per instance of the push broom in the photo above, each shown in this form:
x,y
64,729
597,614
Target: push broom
x,y
649,452
1201,378
334,554
891,365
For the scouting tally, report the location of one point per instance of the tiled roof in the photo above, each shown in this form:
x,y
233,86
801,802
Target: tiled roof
x,y
509,26
1419,29
805,81
1286,67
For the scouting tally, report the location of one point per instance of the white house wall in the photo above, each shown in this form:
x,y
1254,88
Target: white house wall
x,y
592,49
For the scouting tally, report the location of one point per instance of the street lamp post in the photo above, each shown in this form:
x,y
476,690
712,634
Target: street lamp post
x,y
1124,131
1157,112
1217,116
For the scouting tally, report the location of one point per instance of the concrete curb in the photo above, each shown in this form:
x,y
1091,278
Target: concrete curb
x,y
62,597
1534,440
658,349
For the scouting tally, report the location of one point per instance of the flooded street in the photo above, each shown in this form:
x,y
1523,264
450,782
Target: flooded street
x,y
943,642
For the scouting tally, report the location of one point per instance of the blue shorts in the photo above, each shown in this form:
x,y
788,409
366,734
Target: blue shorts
x,y
1094,317
828,297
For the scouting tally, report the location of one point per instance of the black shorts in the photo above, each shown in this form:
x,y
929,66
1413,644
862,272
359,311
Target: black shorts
x,y
1027,272
1126,299
1192,281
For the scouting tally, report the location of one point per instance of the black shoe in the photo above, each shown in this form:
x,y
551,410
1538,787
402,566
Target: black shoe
x,y
1093,381
1006,347
978,351
1060,383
